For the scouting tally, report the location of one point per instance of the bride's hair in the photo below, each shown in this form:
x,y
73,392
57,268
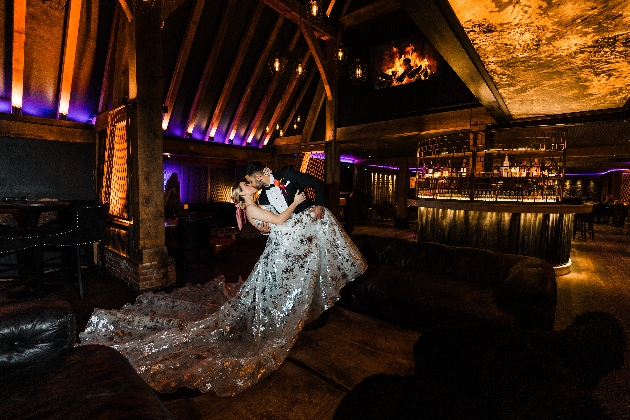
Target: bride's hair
x,y
236,197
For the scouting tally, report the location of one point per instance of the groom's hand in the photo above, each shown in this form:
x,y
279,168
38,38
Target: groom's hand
x,y
317,212
263,227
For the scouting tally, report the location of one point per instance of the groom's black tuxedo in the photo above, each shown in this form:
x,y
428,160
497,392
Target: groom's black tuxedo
x,y
294,181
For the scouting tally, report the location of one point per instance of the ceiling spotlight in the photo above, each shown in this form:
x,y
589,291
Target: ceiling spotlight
x,y
277,126
298,118
281,132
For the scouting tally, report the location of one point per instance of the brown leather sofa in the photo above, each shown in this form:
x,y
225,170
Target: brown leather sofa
x,y
44,376
420,286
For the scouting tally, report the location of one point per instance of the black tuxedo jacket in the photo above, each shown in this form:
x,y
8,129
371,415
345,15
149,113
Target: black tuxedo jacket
x,y
298,182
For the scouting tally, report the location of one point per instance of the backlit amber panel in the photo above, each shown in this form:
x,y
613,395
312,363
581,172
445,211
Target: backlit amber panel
x,y
552,57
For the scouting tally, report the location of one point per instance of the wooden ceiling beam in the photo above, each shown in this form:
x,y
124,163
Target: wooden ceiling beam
x,y
286,96
379,8
106,85
234,70
69,55
291,9
270,90
210,63
320,60
438,23
258,69
423,124
182,59
212,150
298,101
598,151
19,37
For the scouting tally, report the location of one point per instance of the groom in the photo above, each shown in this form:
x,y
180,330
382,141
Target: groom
x,y
278,189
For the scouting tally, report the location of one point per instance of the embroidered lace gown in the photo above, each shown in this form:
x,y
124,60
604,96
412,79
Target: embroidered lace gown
x,y
201,337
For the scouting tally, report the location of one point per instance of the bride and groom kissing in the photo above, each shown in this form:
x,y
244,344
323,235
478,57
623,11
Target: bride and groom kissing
x,y
201,338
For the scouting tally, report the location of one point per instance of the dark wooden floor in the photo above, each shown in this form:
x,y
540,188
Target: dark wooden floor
x,y
599,280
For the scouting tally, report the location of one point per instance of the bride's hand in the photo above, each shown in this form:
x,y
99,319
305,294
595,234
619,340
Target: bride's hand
x,y
299,197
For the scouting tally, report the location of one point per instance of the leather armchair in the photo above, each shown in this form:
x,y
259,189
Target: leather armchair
x,y
43,375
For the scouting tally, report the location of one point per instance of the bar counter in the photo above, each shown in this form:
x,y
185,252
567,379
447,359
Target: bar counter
x,y
542,230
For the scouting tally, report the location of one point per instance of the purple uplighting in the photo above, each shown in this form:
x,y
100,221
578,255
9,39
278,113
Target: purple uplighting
x,y
598,173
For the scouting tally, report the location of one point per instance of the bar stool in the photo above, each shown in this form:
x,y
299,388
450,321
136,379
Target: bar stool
x,y
88,227
23,246
583,223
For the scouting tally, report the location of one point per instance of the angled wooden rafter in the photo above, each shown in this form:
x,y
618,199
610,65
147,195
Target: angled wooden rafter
x,y
292,9
330,7
235,68
379,8
19,36
313,113
258,69
318,55
69,55
298,101
182,58
270,90
210,63
127,8
286,96
344,9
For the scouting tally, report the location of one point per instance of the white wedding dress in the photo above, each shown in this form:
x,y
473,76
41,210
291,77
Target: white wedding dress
x,y
202,337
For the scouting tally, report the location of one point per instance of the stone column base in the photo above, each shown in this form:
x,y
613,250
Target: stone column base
x,y
141,276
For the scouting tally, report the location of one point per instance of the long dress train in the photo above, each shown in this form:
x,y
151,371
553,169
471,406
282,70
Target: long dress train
x,y
201,337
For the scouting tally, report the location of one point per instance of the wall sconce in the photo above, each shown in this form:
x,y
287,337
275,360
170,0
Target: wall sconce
x,y
16,110
62,116
358,72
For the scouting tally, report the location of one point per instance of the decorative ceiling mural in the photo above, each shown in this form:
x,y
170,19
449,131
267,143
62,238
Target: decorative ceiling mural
x,y
552,57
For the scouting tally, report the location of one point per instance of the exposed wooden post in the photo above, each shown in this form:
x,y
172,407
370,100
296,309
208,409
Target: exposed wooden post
x,y
148,264
333,176
333,147
402,193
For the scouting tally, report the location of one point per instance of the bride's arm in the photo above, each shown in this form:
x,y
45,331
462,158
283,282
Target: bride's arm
x,y
258,213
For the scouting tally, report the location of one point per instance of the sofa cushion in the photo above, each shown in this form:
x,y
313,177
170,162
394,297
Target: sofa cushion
x,y
402,293
93,382
34,335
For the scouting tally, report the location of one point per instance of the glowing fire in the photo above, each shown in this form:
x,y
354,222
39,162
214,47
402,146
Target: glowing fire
x,y
406,68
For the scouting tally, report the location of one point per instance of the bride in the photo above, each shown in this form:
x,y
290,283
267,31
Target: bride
x,y
205,337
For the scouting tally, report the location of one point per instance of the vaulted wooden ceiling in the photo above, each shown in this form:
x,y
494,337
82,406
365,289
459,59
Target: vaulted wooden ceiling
x,y
510,67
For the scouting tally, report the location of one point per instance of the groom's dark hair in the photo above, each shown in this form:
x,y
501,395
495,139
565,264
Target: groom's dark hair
x,y
252,168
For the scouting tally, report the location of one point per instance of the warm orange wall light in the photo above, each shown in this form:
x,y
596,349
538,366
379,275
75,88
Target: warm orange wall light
x,y
70,50
19,36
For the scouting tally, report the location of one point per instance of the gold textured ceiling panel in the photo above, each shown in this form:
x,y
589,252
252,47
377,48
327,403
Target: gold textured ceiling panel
x,y
552,57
